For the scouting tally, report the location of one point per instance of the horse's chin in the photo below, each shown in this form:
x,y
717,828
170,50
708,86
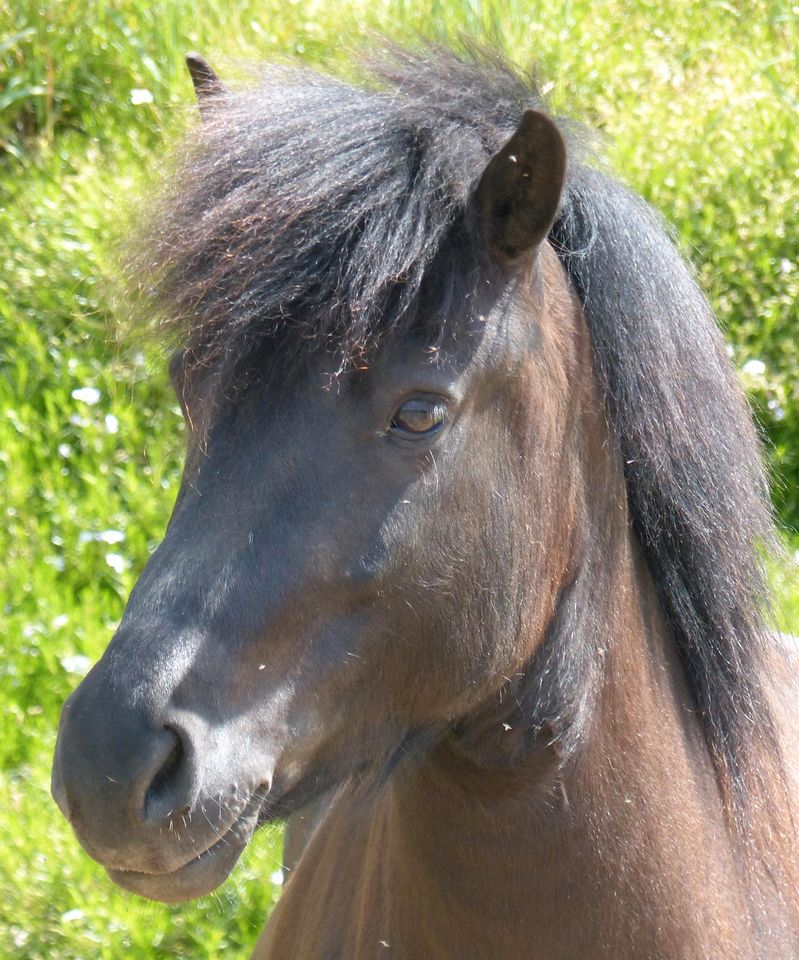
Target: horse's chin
x,y
202,874
194,879
205,872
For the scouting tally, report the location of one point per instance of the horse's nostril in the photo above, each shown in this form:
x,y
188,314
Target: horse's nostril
x,y
161,796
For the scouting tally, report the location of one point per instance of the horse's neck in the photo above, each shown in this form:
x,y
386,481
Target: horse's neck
x,y
622,851
611,843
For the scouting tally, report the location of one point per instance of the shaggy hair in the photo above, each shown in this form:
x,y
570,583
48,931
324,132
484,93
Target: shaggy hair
x,y
310,214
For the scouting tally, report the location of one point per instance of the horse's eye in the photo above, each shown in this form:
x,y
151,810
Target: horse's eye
x,y
419,417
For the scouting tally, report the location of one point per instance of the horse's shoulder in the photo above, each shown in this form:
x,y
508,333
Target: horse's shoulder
x,y
783,688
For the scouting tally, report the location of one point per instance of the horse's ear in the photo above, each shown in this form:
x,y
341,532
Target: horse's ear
x,y
206,82
518,194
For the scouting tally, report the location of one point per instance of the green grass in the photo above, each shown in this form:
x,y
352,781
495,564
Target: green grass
x,y
699,105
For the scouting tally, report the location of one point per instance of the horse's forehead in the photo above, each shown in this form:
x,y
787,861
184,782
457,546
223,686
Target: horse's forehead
x,y
490,334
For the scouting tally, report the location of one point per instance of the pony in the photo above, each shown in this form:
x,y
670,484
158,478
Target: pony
x,y
464,576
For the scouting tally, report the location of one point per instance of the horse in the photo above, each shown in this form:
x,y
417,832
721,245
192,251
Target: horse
x,y
464,577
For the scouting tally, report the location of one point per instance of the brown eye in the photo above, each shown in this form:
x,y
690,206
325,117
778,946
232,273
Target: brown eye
x,y
419,417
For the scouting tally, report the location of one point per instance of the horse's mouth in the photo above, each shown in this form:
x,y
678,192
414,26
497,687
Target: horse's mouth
x,y
212,866
202,873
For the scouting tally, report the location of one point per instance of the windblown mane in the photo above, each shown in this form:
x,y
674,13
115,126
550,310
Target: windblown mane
x,y
308,214
697,492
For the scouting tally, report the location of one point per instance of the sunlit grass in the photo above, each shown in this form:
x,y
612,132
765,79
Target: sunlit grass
x,y
698,102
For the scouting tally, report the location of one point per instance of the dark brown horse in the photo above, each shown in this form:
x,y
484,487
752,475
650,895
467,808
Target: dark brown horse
x,y
464,573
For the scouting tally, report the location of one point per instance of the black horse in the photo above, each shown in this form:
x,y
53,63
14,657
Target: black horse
x,y
466,556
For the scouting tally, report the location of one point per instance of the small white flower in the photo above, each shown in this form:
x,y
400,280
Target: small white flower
x,y
104,536
117,562
755,368
276,878
139,95
776,410
111,423
110,536
76,663
71,915
60,621
90,395
64,450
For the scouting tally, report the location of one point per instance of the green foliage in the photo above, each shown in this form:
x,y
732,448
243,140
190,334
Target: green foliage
x,y
699,104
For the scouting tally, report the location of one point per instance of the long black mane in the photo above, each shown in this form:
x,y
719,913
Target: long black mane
x,y
309,214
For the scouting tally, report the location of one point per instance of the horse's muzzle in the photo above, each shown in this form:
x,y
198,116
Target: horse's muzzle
x,y
139,800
